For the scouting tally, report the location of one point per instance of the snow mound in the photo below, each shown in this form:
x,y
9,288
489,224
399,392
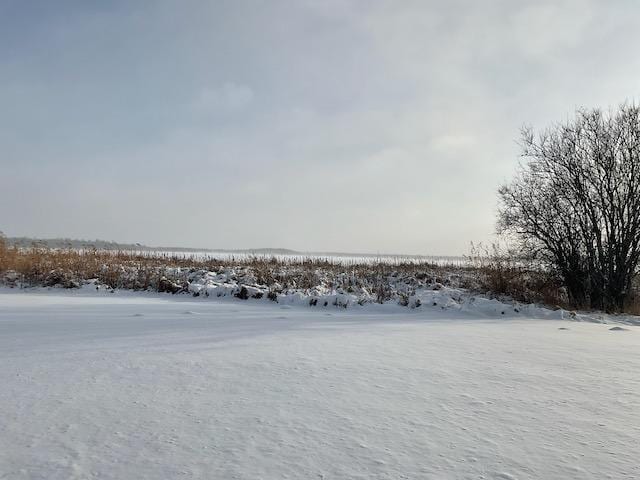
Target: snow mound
x,y
403,294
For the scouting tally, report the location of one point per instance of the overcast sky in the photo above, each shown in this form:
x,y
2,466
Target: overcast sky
x,y
362,126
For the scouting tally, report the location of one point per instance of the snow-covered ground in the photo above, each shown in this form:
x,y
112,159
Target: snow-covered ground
x,y
149,386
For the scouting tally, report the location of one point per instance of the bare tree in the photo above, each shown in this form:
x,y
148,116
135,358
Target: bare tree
x,y
574,204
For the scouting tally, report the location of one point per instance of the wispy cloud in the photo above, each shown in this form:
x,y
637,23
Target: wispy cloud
x,y
229,97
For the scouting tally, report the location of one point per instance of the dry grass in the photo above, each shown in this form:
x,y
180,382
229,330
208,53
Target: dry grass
x,y
42,266
36,266
490,270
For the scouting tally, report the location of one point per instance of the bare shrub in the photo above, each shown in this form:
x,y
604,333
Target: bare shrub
x,y
499,270
243,293
504,272
575,204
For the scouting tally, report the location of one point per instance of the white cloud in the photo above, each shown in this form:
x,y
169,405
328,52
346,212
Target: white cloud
x,y
546,29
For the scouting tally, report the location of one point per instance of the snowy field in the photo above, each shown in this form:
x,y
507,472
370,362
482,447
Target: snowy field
x,y
145,386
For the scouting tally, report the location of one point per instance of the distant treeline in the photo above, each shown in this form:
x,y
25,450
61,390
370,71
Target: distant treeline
x,y
75,243
72,243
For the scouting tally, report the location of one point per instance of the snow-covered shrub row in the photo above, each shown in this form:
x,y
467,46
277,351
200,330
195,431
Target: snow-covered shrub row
x,y
307,283
310,282
348,290
318,287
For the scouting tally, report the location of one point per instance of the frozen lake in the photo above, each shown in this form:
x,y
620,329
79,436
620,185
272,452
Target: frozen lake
x,y
335,258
